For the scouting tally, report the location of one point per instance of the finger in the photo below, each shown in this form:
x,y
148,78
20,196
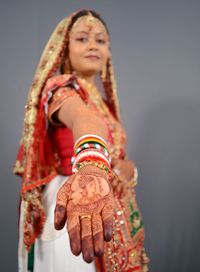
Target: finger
x,y
86,240
60,217
73,227
107,217
60,214
97,231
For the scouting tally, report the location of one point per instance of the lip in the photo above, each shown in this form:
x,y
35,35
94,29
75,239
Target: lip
x,y
92,57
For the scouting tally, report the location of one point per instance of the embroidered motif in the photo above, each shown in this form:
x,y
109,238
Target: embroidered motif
x,y
135,219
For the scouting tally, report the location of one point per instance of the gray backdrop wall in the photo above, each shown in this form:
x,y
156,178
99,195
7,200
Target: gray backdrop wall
x,y
155,46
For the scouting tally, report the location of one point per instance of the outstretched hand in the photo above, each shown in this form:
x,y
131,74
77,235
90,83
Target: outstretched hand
x,y
86,203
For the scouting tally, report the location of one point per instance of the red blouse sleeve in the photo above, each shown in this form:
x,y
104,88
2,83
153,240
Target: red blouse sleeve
x,y
57,90
58,99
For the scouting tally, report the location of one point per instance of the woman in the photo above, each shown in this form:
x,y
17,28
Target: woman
x,y
72,159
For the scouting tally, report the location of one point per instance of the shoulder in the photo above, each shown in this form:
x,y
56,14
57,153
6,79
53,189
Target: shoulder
x,y
63,83
58,81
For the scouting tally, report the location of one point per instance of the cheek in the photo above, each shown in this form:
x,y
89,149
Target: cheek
x,y
72,54
105,54
74,57
74,50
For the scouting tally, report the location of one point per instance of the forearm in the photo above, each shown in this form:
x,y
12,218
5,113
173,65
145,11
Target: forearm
x,y
89,124
84,122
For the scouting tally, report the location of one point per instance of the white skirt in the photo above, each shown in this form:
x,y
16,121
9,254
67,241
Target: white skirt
x,y
52,249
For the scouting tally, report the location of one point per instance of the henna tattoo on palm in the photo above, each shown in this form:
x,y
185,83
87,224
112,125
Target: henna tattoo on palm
x,y
86,202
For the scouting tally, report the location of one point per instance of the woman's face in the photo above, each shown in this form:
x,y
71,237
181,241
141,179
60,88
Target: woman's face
x,y
88,47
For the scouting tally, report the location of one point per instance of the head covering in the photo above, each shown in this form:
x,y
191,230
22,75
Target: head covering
x,y
35,160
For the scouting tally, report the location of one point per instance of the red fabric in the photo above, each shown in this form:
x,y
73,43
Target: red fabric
x,y
37,162
64,143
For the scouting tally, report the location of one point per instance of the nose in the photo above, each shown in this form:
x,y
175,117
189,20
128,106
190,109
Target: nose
x,y
92,45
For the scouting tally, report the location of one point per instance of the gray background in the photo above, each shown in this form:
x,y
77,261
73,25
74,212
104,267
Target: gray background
x,y
155,46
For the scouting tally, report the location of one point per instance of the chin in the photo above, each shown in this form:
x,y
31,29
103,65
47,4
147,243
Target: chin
x,y
93,67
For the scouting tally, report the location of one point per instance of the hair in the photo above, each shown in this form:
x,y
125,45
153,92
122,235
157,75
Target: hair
x,y
73,20
87,12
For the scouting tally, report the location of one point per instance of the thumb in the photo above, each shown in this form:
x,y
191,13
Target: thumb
x,y
60,212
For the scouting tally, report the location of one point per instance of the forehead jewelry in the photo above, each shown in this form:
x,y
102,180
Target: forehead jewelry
x,y
90,21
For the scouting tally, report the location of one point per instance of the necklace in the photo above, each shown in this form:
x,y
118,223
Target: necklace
x,y
95,96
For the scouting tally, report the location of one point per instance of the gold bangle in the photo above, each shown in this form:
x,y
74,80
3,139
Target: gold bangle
x,y
100,165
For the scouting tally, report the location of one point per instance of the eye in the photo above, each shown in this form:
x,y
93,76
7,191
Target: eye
x,y
81,39
101,41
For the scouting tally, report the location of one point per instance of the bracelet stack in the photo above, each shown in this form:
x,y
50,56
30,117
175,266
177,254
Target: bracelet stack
x,y
91,149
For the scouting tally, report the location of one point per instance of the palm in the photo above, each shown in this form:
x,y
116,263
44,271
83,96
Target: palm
x,y
86,202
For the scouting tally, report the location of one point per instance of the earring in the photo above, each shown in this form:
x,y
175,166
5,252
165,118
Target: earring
x,y
104,73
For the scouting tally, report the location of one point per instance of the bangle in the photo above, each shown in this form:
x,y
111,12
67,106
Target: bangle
x,y
90,152
91,145
89,158
87,154
91,149
98,164
90,138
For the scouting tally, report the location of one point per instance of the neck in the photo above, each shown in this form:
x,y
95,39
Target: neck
x,y
88,78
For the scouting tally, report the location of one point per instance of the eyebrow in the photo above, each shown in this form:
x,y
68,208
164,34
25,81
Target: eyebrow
x,y
86,32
